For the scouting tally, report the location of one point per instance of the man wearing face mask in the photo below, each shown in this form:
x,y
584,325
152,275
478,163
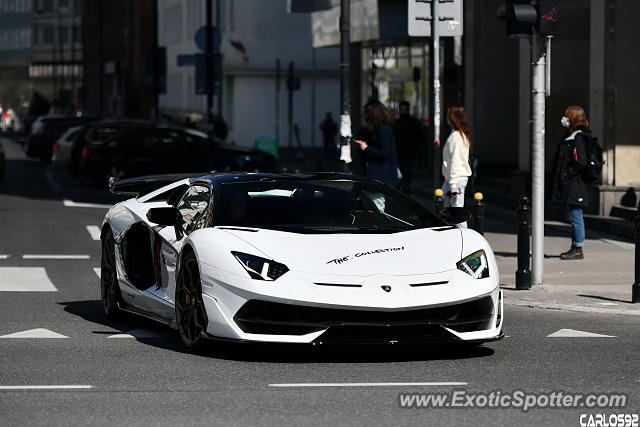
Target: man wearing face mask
x,y
409,136
569,187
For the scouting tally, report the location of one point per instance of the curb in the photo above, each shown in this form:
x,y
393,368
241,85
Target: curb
x,y
569,307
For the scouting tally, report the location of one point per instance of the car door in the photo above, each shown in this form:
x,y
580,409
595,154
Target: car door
x,y
195,212
137,152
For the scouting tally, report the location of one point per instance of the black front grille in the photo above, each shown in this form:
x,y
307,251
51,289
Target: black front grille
x,y
267,317
384,334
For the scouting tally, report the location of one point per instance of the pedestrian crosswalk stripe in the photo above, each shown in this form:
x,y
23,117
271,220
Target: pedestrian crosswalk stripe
x,y
35,333
572,333
46,387
97,271
54,256
139,333
25,279
94,231
72,204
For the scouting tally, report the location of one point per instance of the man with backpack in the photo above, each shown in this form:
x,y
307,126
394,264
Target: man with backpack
x,y
578,162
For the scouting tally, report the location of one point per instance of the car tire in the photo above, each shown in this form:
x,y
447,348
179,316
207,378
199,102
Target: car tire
x,y
109,287
191,317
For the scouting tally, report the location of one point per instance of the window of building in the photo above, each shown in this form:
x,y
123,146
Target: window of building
x,y
172,23
45,5
47,35
63,35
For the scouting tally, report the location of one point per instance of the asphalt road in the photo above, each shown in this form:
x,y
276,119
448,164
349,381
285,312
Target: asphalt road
x,y
49,292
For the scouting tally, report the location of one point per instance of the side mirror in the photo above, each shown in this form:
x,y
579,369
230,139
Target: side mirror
x,y
457,215
163,216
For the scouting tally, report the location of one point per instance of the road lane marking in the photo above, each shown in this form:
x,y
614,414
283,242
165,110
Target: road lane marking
x,y
35,333
98,271
572,333
25,279
72,204
53,256
46,387
4,256
94,231
139,333
444,383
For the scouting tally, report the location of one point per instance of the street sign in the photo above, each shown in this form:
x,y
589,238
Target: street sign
x,y
450,22
185,60
200,38
213,84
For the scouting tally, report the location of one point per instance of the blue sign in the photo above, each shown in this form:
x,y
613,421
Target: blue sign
x,y
186,60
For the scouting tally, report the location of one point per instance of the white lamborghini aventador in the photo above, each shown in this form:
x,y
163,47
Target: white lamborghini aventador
x,y
296,258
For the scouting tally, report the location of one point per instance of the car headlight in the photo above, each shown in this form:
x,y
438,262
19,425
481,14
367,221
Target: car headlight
x,y
475,265
260,268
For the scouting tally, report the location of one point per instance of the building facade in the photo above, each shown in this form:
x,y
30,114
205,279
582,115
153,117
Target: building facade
x,y
121,67
254,36
15,53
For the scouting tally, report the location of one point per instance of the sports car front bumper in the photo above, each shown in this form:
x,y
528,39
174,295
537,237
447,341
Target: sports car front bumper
x,y
447,306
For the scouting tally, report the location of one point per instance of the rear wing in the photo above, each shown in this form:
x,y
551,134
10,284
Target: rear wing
x,y
142,185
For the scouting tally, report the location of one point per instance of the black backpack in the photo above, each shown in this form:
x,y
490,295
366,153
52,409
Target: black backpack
x,y
473,164
595,161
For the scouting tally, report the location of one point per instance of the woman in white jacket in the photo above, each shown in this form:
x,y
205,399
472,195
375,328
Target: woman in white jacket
x,y
455,158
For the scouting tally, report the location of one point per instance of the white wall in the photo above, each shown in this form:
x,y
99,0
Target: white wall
x,y
268,32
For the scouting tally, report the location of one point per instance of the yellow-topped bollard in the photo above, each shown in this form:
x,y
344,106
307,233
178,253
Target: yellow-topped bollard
x,y
478,212
438,203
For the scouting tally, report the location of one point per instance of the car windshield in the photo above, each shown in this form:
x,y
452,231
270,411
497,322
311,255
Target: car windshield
x,y
102,132
317,206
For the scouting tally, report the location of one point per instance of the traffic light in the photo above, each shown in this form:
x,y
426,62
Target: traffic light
x,y
522,16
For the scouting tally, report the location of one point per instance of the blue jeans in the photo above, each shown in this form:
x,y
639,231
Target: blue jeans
x,y
457,202
577,226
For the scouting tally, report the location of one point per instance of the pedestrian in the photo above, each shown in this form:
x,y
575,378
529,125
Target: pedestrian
x,y
220,129
379,152
329,130
188,123
569,187
409,136
455,158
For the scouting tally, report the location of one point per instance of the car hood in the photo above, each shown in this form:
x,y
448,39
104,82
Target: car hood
x,y
406,253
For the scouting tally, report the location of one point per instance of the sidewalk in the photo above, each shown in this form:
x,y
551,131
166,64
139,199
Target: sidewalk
x,y
600,283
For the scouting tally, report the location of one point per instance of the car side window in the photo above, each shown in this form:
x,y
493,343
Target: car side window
x,y
193,208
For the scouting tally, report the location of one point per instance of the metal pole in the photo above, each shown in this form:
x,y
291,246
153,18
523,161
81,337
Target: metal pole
x,y
635,289
345,41
277,100
537,158
523,274
290,78
216,54
313,97
209,62
435,38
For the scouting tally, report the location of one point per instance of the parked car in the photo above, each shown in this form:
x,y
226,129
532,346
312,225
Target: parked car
x,y
1,162
39,143
99,131
167,150
62,147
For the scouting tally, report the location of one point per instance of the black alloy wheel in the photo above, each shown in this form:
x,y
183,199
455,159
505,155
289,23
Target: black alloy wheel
x,y
191,317
110,290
